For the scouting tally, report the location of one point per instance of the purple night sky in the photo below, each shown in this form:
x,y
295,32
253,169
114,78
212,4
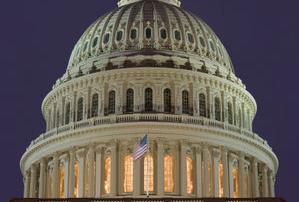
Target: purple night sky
x,y
37,38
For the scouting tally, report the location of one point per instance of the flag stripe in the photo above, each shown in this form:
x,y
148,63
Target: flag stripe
x,y
140,149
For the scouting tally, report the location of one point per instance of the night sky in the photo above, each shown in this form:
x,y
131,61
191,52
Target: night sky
x,y
37,36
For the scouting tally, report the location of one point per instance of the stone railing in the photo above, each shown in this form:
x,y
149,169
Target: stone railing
x,y
154,200
157,117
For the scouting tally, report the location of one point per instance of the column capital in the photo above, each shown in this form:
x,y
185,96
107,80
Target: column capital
x,y
99,148
233,158
80,153
224,150
33,168
63,158
265,168
197,148
216,153
241,155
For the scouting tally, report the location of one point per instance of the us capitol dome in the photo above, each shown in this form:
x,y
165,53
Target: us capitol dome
x,y
149,67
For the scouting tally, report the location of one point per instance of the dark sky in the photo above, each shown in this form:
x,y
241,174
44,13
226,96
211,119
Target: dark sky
x,y
37,36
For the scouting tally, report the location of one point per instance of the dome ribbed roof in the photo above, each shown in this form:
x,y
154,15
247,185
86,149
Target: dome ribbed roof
x,y
144,28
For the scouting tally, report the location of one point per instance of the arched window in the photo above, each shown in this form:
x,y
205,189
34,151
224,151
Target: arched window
x,y
61,182
111,106
128,174
76,179
130,100
163,33
185,102
240,118
148,173
119,35
95,105
167,100
148,33
217,109
168,174
107,175
67,113
134,34
80,109
148,100
189,162
177,35
230,113
202,105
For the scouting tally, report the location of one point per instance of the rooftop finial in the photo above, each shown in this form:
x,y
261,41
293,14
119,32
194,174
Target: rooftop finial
x,y
126,2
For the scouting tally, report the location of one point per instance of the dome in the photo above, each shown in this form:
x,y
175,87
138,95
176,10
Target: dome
x,y
139,32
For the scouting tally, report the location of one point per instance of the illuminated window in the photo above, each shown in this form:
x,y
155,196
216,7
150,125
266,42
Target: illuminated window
x,y
111,102
148,99
76,179
107,176
130,100
67,113
246,182
128,173
217,109
185,102
220,171
61,182
80,109
94,105
189,162
236,182
210,178
148,171
167,100
202,105
168,174
230,113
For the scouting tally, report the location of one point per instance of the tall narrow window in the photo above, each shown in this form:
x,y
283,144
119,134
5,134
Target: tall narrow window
x,y
107,175
148,171
240,118
148,99
217,109
230,113
67,113
80,109
168,174
57,119
130,100
189,162
95,105
128,173
220,172
235,182
167,100
76,179
185,102
202,105
148,33
111,102
61,182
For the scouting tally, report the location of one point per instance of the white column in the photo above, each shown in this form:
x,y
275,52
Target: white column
x,y
206,174
55,176
160,170
224,161
241,174
99,173
271,184
265,182
137,178
33,181
216,159
198,171
183,170
42,177
65,162
114,169
26,184
81,177
71,175
255,179
91,174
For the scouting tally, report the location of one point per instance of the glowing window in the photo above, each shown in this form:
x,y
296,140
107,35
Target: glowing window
x,y
80,109
94,105
111,102
168,174
119,35
177,35
220,172
106,38
217,109
76,179
235,182
230,113
185,102
67,113
148,171
163,33
95,42
148,33
211,178
202,105
130,100
61,182
128,174
189,162
134,34
167,100
107,175
202,41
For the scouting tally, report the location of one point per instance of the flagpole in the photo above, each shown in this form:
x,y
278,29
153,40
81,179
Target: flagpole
x,y
147,169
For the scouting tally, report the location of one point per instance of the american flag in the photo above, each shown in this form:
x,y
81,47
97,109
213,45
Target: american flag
x,y
140,148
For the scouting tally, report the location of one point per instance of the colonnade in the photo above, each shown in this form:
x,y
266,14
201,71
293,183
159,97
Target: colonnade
x,y
216,172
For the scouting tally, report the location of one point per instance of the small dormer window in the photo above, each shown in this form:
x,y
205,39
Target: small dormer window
x,y
134,34
190,37
202,42
177,35
148,33
95,42
106,38
119,35
163,33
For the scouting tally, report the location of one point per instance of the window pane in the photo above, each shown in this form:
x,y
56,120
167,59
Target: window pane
x,y
76,179
190,38
189,162
67,113
130,100
148,100
119,35
106,38
107,175
95,105
185,102
148,33
177,35
163,33
220,171
167,100
148,173
202,105
80,109
111,102
235,183
217,109
168,174
61,182
128,174
133,33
